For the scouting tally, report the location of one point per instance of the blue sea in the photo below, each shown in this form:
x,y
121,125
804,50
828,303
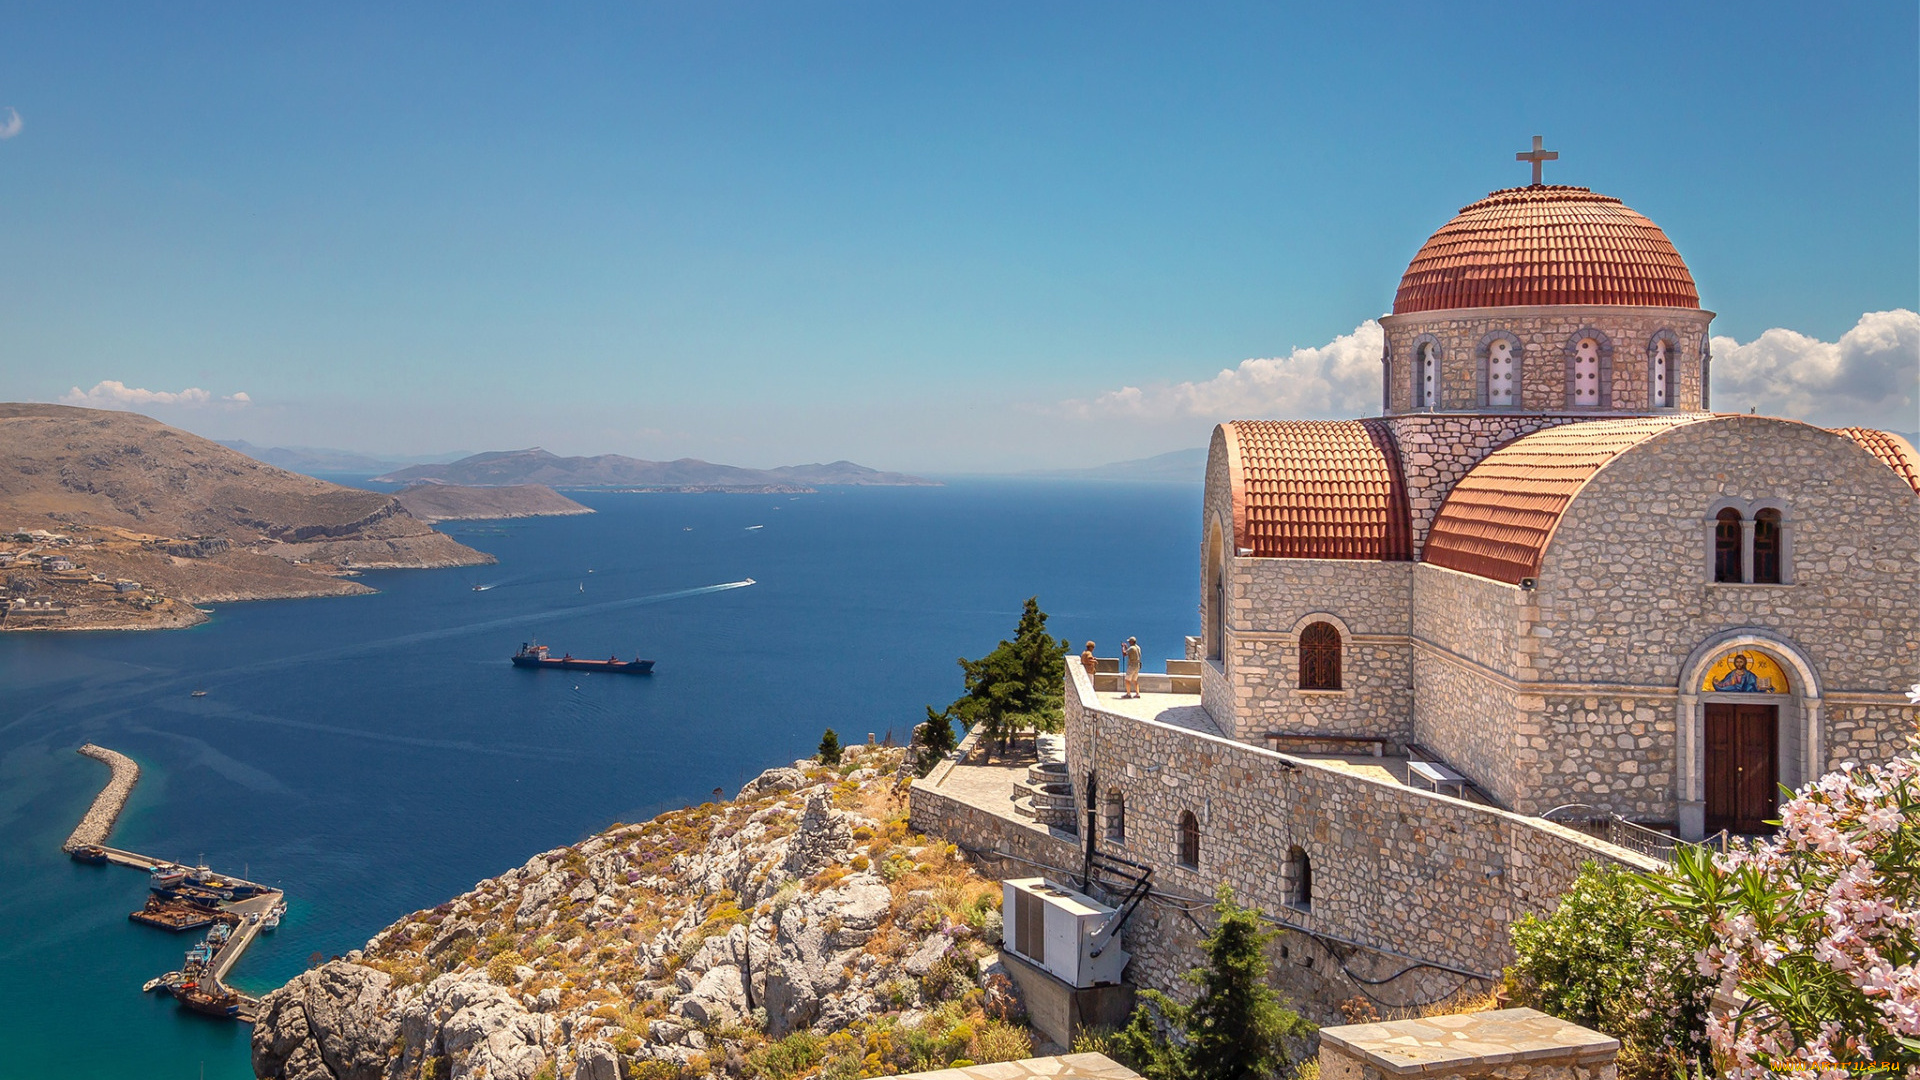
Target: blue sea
x,y
375,755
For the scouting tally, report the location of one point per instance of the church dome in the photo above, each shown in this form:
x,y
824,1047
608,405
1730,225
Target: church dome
x,y
1546,245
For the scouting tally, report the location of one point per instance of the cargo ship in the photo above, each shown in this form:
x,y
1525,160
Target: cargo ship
x,y
532,654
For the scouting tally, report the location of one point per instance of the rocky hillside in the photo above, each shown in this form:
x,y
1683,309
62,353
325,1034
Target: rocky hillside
x,y
798,930
125,497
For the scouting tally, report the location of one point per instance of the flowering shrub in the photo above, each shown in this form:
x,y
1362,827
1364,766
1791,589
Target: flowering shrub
x,y
1812,932
1816,927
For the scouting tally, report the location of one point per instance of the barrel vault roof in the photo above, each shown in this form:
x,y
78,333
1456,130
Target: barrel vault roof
x,y
1896,452
1317,489
1498,519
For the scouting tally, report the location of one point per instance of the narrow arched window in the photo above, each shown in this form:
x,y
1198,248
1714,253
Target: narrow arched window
x,y
1320,657
1426,377
1299,878
1189,840
1117,818
1586,373
1726,545
1501,389
1766,547
1658,371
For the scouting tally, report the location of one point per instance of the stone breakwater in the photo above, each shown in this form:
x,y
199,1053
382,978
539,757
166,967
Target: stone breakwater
x,y
98,821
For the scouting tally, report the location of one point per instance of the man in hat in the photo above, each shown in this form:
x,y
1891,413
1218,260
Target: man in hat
x,y
1132,653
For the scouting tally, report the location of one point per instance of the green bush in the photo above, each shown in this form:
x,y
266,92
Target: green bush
x,y
830,748
1611,957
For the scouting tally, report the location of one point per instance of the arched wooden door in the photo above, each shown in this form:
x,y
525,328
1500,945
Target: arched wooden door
x,y
1742,767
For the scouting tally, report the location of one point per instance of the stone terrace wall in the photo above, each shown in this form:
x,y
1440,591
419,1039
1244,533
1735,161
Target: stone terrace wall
x,y
1267,599
1393,868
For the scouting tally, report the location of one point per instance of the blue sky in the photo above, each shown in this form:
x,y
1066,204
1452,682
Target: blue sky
x,y
910,234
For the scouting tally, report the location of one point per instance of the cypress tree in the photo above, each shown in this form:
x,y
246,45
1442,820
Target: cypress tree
x,y
1236,1026
830,748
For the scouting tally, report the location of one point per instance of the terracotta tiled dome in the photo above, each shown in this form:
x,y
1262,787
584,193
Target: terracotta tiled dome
x,y
1546,245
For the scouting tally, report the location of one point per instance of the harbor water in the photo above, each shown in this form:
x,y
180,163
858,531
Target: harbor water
x,y
378,754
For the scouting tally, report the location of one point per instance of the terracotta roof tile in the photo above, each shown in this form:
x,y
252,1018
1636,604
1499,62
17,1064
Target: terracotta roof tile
x,y
1497,520
1546,245
1897,452
1317,489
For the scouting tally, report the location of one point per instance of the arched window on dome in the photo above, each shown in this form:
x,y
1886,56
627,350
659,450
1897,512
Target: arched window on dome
x,y
1586,374
1426,376
1659,365
1706,371
1498,361
1589,370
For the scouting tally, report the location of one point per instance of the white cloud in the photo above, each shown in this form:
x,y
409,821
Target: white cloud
x,y
113,394
1340,378
1871,376
11,125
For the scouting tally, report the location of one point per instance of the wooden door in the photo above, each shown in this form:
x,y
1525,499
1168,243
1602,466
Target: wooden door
x,y
1742,766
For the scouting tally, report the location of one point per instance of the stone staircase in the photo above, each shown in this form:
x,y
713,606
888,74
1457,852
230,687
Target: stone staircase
x,y
1046,796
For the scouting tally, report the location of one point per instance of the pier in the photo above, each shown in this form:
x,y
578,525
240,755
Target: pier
x,y
199,985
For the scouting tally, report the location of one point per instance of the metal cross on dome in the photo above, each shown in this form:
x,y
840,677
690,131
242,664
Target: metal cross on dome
x,y
1537,156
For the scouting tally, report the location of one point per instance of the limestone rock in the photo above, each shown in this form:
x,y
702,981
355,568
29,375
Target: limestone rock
x,y
719,998
595,1060
331,1023
783,778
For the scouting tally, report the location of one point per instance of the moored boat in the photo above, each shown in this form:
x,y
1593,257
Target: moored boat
x,y
91,854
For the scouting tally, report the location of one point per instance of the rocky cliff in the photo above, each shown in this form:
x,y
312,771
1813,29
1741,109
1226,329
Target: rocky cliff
x,y
796,930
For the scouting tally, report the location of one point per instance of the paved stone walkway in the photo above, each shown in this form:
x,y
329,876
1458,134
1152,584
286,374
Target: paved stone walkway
x,y
1180,710
1062,1067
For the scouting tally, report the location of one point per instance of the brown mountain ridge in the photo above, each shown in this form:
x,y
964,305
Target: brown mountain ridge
x,y
126,499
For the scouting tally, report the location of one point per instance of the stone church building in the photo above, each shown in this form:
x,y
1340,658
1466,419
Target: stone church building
x,y
1547,586
1549,566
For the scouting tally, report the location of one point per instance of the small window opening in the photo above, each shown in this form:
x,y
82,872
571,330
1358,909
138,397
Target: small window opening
x,y
1426,386
1189,840
1299,879
1726,546
1117,818
1766,547
1320,657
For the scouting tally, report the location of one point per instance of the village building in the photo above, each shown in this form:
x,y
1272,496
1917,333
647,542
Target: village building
x,y
1547,586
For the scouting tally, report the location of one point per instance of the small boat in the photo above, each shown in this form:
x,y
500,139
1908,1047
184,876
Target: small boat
x,y
199,693
91,854
532,654
165,876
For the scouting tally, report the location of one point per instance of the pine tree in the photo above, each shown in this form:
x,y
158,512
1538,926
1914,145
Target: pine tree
x,y
830,748
1020,685
1236,1029
933,740
1236,1026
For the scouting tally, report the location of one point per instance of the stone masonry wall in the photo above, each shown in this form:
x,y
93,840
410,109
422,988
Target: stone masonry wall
x,y
1393,868
1266,601
1544,333
1625,592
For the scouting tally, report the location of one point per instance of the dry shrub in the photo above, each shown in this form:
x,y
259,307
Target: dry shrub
x,y
1001,1041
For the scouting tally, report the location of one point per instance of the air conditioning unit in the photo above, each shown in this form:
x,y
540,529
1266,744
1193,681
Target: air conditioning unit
x,y
1069,935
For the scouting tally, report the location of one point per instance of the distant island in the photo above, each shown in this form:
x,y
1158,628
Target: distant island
x,y
616,472
113,520
316,459
1180,466
431,502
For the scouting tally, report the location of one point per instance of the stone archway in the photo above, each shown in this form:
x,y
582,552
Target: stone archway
x,y
1797,749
